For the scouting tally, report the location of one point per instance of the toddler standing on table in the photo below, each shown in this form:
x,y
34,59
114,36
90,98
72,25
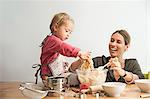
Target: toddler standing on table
x,y
54,48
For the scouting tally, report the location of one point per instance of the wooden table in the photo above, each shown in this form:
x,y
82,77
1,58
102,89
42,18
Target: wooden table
x,y
10,90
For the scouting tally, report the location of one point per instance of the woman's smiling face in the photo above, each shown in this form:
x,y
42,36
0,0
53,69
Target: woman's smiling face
x,y
117,45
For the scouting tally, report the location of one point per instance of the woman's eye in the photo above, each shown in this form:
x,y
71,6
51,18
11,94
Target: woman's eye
x,y
119,42
112,40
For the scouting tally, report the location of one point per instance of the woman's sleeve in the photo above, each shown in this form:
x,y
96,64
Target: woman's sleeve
x,y
134,67
99,61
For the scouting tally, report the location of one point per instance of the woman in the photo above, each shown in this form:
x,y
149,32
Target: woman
x,y
120,69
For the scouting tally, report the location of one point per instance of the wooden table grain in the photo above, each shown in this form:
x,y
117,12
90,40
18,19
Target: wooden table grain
x,y
10,90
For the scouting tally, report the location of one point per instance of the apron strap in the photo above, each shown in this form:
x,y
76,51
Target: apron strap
x,y
36,74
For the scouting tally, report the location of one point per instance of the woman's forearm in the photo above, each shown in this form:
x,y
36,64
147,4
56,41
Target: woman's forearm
x,y
130,77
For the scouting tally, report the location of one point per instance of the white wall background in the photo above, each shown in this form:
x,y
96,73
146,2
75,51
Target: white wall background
x,y
25,23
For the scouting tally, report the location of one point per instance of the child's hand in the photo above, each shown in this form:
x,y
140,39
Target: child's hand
x,y
84,55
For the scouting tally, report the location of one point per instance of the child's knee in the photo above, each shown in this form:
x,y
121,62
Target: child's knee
x,y
45,80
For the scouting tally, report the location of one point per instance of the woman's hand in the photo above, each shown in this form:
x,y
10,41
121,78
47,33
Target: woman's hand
x,y
115,65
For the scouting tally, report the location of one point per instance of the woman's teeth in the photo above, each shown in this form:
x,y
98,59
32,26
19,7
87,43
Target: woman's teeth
x,y
113,49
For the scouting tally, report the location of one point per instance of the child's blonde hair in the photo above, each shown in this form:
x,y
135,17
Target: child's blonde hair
x,y
59,19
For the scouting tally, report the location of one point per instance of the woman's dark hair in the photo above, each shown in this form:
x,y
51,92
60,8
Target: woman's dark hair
x,y
125,35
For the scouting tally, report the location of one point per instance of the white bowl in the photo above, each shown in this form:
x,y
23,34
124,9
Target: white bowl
x,y
143,84
114,89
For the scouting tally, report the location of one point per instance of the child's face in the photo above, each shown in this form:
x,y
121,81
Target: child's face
x,y
64,31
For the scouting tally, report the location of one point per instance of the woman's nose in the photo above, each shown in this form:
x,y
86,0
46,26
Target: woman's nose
x,y
113,43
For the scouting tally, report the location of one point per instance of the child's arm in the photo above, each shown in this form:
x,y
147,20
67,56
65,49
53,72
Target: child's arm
x,y
58,46
83,55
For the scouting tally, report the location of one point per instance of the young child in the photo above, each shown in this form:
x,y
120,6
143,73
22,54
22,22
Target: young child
x,y
54,48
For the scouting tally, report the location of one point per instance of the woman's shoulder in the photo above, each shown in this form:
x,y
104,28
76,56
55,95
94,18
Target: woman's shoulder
x,y
131,60
100,60
103,56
